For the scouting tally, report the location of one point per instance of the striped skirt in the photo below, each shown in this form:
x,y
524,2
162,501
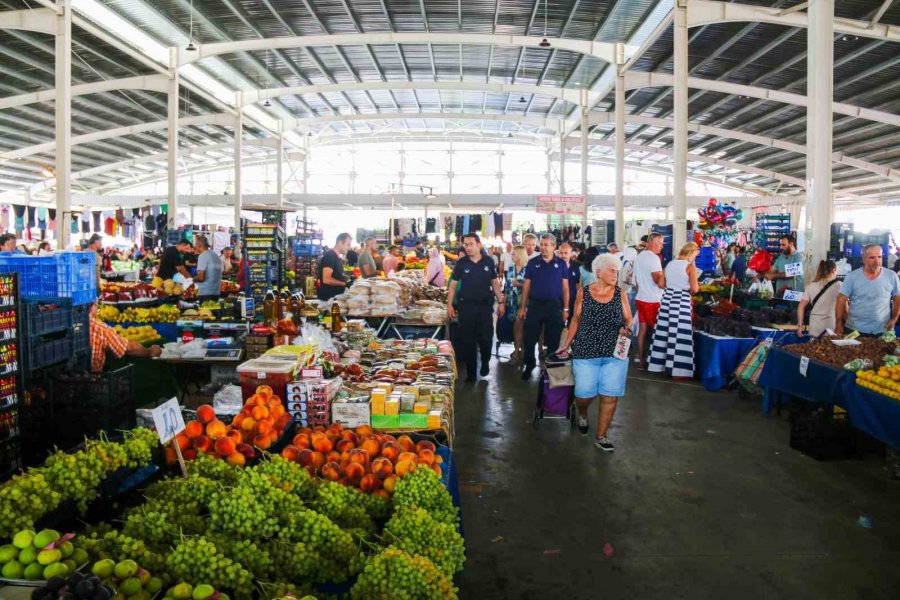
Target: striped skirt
x,y
672,351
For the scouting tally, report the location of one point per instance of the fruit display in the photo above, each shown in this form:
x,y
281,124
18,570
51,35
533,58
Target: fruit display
x,y
40,556
228,287
166,313
822,350
361,458
168,287
884,380
126,293
141,334
186,591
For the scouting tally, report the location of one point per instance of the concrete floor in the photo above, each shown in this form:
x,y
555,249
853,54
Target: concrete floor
x,y
702,498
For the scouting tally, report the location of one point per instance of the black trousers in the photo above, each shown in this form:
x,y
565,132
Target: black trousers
x,y
543,315
476,332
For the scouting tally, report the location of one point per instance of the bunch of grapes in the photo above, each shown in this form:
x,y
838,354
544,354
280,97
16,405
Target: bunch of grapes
x,y
275,501
213,469
188,496
255,558
139,444
154,527
378,508
197,560
414,531
104,542
289,476
281,589
319,533
114,456
396,574
183,518
344,506
423,488
237,512
76,476
296,561
23,500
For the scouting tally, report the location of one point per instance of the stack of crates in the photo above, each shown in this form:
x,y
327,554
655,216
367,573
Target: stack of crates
x,y
706,260
769,231
62,275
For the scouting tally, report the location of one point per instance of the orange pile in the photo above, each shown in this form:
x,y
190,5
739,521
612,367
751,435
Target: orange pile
x,y
359,457
258,425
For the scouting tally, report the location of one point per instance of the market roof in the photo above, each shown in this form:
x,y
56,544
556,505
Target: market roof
x,y
376,67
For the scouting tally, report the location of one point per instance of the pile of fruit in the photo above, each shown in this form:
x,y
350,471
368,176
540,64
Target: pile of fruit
x,y
259,425
109,580
140,334
361,458
885,380
824,351
127,292
40,556
167,287
167,313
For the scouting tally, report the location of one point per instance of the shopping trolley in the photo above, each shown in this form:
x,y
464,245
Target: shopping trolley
x,y
554,401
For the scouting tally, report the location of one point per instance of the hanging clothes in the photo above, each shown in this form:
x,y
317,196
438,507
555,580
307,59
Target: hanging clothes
x,y
475,223
430,224
97,225
51,224
120,217
19,223
108,226
489,226
4,218
73,223
498,224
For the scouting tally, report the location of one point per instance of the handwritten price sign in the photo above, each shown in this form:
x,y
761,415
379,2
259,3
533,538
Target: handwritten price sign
x,y
168,420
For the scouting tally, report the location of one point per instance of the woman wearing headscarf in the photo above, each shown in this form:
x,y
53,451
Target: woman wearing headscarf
x,y
434,271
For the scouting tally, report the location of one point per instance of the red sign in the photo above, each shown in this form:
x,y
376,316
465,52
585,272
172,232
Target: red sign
x,y
560,205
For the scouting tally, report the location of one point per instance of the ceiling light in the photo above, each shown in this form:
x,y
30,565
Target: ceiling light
x,y
849,38
544,43
191,47
267,104
509,135
522,100
430,195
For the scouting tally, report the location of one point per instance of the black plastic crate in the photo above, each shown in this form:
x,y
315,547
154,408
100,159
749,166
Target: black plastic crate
x,y
822,432
47,315
83,404
46,352
81,331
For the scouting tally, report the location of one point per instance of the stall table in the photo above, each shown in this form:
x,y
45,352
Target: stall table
x,y
717,357
781,377
440,331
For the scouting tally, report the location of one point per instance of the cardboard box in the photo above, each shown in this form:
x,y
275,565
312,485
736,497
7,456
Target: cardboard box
x,y
350,414
413,421
310,373
420,408
434,419
377,402
392,407
385,421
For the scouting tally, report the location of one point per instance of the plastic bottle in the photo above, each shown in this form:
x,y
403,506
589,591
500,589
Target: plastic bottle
x,y
269,306
335,318
278,311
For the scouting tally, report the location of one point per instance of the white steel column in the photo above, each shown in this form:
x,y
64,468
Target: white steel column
x,y
679,155
238,166
819,121
63,111
549,170
562,163
173,113
306,156
585,129
620,147
279,188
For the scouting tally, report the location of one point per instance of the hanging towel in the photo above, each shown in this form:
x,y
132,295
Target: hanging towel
x,y
489,226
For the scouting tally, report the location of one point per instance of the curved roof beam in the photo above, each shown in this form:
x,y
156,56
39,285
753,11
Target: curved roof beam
x,y
555,124
153,83
706,12
572,95
601,50
635,80
41,20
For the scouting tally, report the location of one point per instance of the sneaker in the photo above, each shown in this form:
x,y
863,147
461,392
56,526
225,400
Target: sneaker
x,y
582,425
526,373
485,370
604,444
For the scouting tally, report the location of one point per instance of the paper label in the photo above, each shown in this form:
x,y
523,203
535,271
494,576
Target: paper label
x,y
707,281
804,365
168,420
768,342
793,295
793,269
260,375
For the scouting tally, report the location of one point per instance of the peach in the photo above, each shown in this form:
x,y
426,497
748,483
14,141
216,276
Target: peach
x,y
302,440
290,453
369,483
193,429
382,467
305,430
344,445
389,483
387,438
305,456
264,426
319,429
382,494
354,472
438,459
225,446
372,447
260,412
333,457
276,412
363,430
283,421
426,457
262,442
345,456
349,434
391,451
248,424
171,457
236,458
406,443
235,435
334,429
264,390
321,443
189,454
403,467
410,456
205,414
202,443
247,450
331,471
215,429
358,455
437,469
318,460
425,444
184,442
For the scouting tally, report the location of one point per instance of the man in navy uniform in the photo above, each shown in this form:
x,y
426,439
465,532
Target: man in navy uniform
x,y
479,284
545,301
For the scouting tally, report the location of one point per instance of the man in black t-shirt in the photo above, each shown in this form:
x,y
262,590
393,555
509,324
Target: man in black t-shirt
x,y
331,269
172,261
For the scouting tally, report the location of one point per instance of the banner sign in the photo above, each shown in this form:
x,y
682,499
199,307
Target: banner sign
x,y
560,205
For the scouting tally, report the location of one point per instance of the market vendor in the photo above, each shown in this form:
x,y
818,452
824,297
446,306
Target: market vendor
x,y
172,261
866,296
778,272
104,337
367,259
390,262
209,271
331,269
95,245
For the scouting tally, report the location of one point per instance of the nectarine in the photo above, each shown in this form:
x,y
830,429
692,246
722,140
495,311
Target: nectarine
x,y
372,447
331,471
236,458
389,482
215,429
354,472
391,451
302,440
426,456
359,455
225,446
202,443
369,483
205,413
290,453
321,443
406,443
382,467
425,444
193,429
262,442
403,467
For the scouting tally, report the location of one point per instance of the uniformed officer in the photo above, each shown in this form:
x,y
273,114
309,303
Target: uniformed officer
x,y
477,275
545,301
566,252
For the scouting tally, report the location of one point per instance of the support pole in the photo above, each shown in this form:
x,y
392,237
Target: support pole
x,y
279,188
819,121
306,156
63,110
620,147
585,130
173,110
238,167
680,93
549,171
562,163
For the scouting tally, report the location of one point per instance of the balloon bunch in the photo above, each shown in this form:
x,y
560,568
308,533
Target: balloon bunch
x,y
717,215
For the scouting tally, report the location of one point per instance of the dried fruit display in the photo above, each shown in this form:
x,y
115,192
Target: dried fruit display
x,y
823,351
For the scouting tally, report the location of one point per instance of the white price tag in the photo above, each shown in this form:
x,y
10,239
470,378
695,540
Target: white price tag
x,y
707,281
804,365
793,295
768,342
168,420
793,269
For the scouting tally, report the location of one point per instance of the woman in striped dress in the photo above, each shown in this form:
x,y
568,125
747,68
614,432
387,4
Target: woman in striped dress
x,y
672,351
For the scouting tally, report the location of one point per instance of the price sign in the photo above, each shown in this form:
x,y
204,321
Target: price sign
x,y
707,281
168,420
804,365
793,269
768,342
793,295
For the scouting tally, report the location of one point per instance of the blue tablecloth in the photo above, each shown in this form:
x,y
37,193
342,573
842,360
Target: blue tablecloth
x,y
781,377
716,357
873,413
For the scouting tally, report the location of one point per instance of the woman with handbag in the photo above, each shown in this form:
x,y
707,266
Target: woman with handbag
x,y
599,335
434,270
820,298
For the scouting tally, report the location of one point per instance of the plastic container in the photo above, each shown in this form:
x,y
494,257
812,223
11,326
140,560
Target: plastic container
x,y
43,353
266,371
65,274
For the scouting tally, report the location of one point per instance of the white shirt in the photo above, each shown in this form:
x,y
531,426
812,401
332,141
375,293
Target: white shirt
x,y
630,253
676,275
645,265
534,254
892,260
506,261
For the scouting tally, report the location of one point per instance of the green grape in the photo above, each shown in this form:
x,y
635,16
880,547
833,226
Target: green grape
x,y
423,489
197,560
298,562
139,444
239,513
281,590
395,574
23,500
253,557
214,469
414,531
344,506
152,526
288,476
319,533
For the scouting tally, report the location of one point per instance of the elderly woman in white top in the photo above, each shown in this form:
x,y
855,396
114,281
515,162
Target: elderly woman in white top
x,y
434,271
673,339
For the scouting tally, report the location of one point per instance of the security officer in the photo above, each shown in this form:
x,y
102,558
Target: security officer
x,y
545,301
477,276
